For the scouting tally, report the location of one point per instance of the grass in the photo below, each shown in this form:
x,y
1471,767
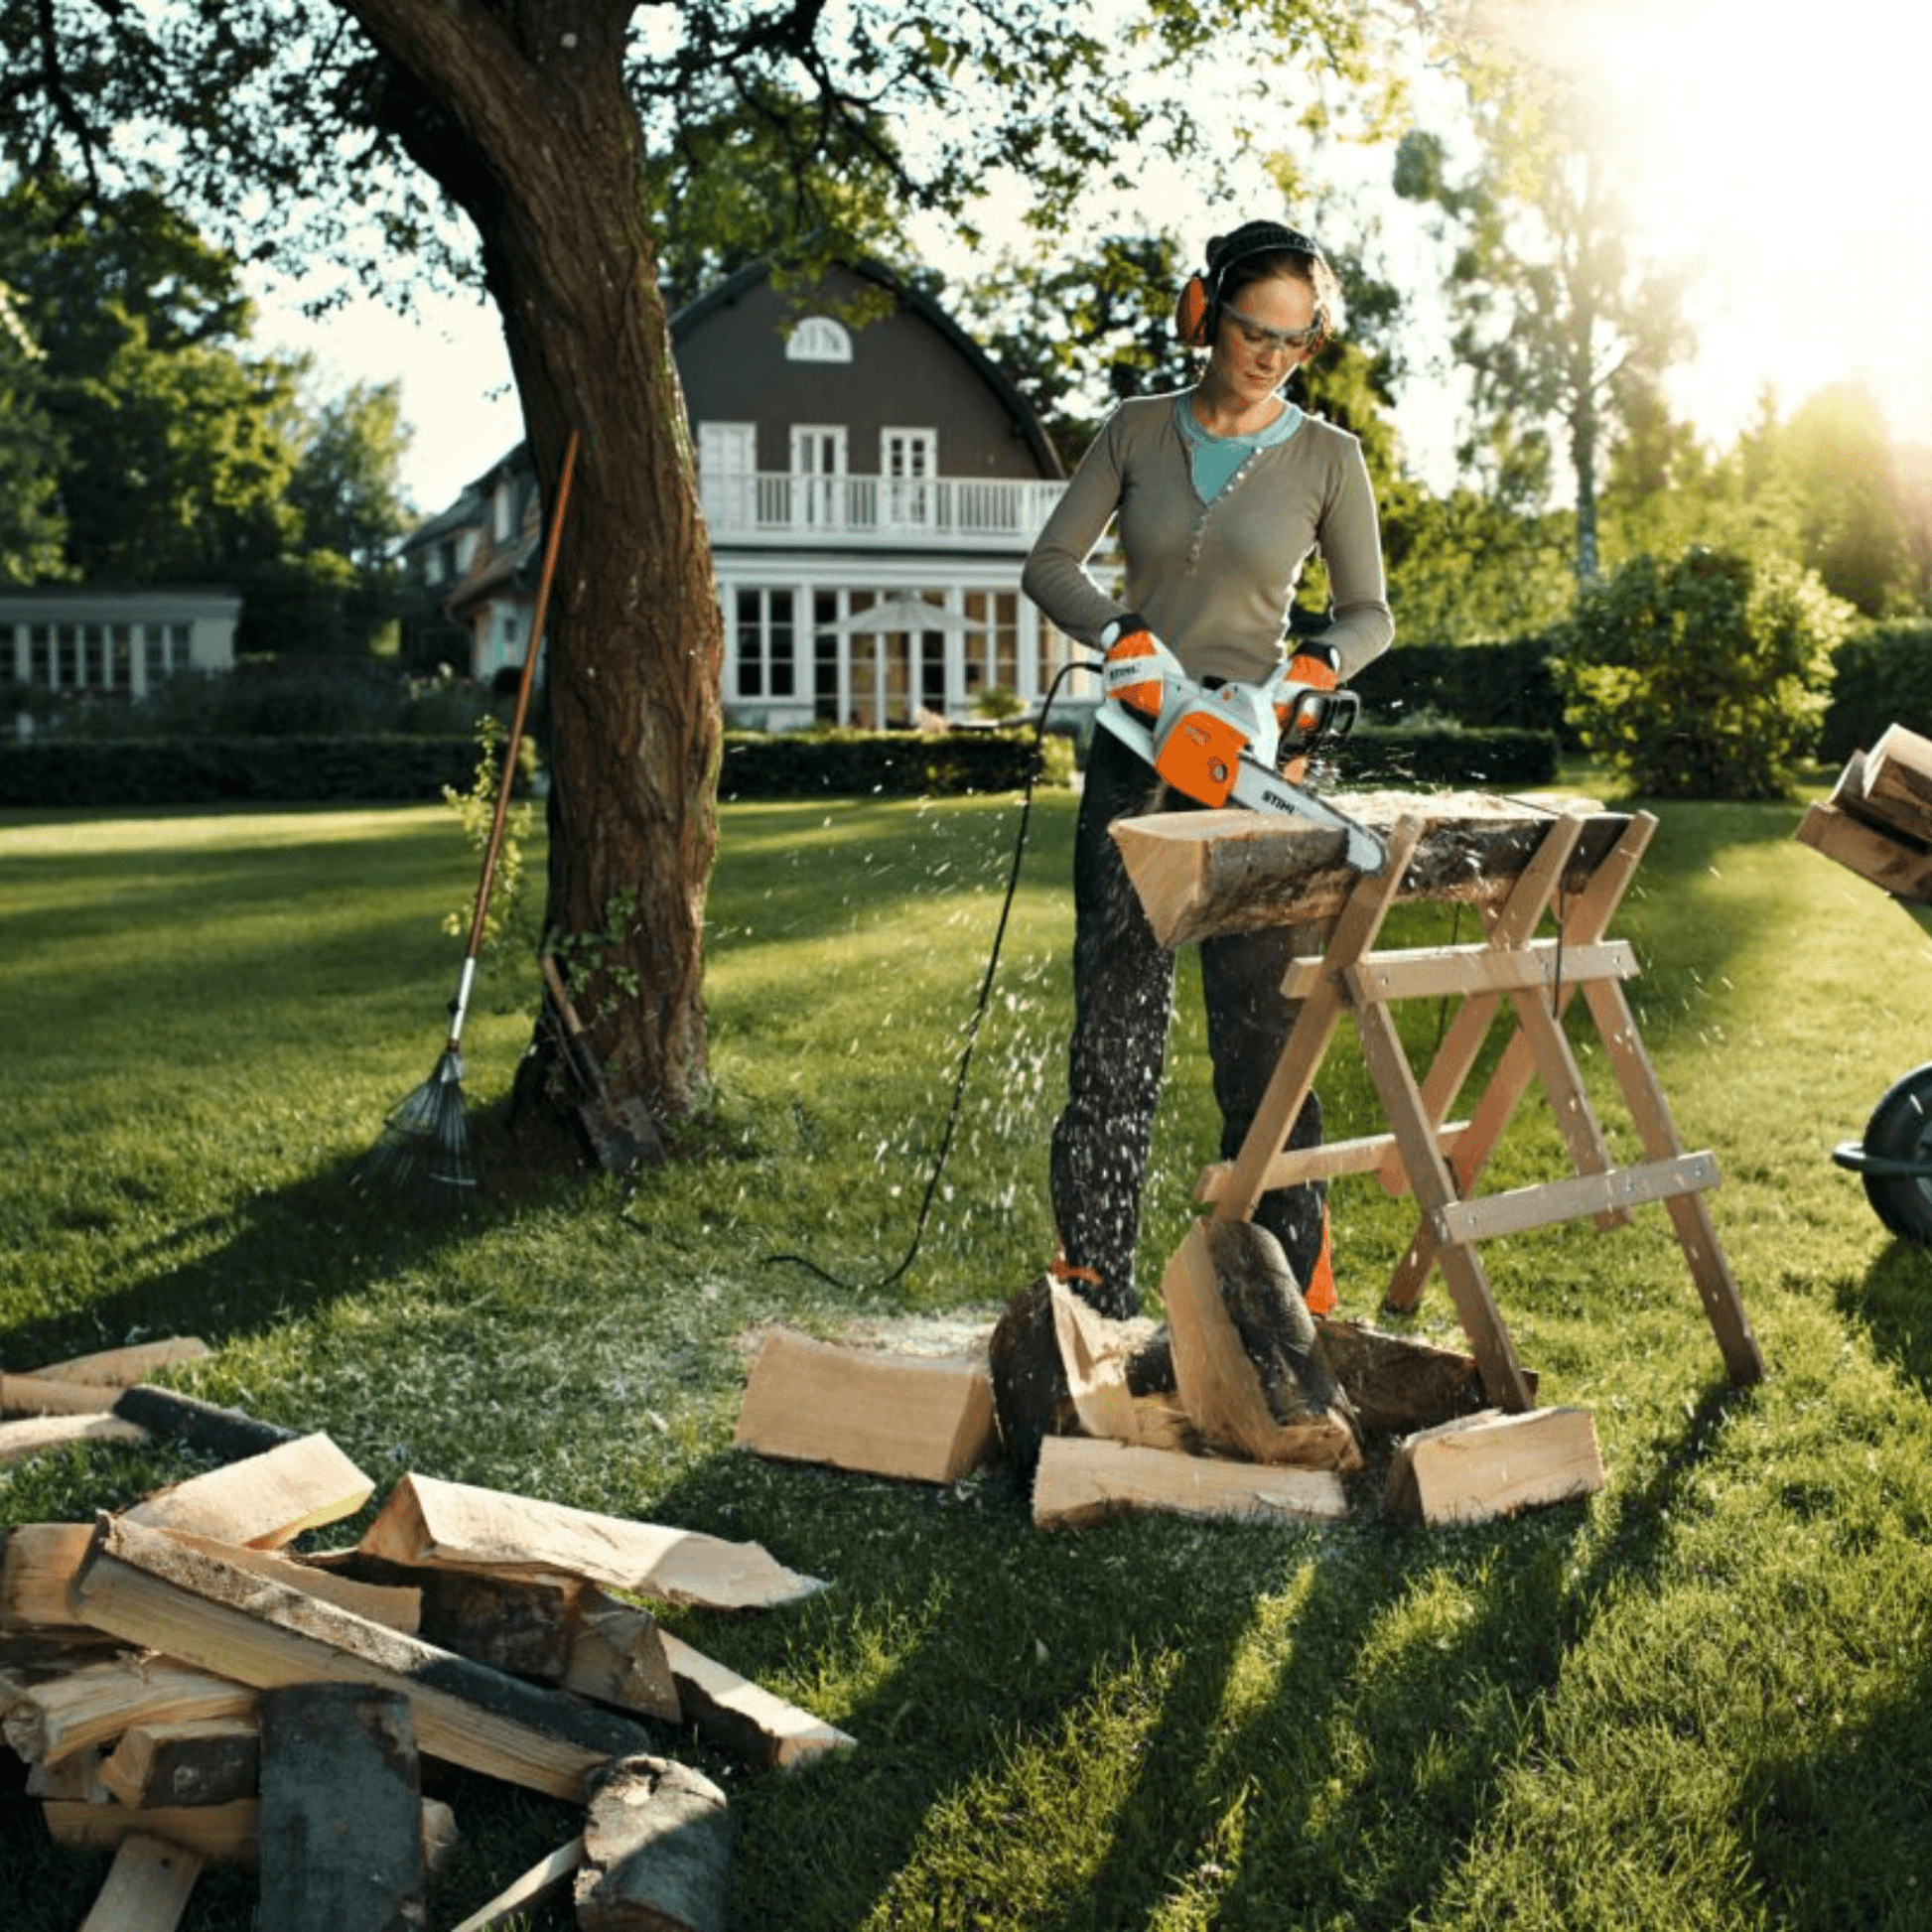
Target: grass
x,y
1699,1699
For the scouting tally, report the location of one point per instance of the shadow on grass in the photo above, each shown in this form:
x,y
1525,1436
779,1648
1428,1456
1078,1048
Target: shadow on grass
x,y
1840,1836
1068,1729
281,1254
1893,1302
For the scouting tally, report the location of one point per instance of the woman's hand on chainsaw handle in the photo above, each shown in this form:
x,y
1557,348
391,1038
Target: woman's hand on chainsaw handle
x,y
1315,666
1136,666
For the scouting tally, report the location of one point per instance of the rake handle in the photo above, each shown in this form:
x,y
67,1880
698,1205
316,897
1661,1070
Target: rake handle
x,y
516,738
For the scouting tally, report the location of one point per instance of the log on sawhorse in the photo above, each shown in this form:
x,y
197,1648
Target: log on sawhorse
x,y
1520,866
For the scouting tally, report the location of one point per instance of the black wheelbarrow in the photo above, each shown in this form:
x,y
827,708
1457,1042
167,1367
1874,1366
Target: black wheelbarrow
x,y
1894,1160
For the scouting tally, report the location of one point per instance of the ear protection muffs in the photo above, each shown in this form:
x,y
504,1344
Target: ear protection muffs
x,y
1197,308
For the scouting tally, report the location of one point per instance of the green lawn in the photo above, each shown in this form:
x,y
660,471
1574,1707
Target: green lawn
x,y
1701,1698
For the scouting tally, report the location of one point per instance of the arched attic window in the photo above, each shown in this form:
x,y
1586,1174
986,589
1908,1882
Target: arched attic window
x,y
818,339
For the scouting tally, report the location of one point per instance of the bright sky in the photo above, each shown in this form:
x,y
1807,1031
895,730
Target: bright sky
x,y
1782,152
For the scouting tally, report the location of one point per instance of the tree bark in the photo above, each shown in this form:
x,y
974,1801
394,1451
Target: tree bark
x,y
519,112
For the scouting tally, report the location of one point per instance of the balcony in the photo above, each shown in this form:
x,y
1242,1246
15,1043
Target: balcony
x,y
885,512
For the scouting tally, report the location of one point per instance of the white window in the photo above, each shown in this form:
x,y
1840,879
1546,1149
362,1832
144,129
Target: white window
x,y
909,461
504,506
766,644
818,476
818,339
727,461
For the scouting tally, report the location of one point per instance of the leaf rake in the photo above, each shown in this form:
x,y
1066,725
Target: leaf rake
x,y
424,1148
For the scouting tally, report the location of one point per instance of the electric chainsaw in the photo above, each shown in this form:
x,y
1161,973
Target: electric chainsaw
x,y
1233,744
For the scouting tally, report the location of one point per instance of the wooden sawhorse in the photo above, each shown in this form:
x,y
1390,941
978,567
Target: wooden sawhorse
x,y
1424,1154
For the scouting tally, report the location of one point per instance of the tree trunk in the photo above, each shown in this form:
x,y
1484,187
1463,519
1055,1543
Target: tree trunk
x,y
520,114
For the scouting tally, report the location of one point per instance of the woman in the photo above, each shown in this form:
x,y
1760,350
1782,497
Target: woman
x,y
1222,492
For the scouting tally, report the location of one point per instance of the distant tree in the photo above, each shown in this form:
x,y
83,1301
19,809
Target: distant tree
x,y
159,450
1853,503
1080,335
1467,568
1558,323
30,524
347,490
348,482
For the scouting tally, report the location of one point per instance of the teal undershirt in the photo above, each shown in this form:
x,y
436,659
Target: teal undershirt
x,y
1215,459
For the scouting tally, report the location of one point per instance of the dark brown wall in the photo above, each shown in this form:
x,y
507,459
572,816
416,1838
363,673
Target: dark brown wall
x,y
903,372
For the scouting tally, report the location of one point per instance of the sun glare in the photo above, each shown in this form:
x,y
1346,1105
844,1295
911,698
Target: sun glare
x,y
1782,155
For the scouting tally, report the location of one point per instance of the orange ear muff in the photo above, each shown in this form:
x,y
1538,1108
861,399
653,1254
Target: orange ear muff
x,y
1190,311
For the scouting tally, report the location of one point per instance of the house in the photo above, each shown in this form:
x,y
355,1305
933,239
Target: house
x,y
871,487
98,641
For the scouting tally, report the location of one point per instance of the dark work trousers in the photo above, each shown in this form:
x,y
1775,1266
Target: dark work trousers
x,y
1123,999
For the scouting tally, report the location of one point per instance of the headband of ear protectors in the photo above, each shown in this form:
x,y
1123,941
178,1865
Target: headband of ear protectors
x,y
1198,309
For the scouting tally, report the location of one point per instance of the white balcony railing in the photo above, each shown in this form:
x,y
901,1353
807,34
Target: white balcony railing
x,y
939,513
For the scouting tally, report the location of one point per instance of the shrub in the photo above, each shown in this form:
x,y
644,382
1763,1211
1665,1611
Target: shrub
x,y
1705,678
230,771
1880,677
813,765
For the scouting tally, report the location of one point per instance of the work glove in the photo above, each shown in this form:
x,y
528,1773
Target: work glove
x,y
1129,641
1315,665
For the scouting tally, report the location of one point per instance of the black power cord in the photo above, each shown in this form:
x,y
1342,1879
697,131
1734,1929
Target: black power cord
x,y
972,1026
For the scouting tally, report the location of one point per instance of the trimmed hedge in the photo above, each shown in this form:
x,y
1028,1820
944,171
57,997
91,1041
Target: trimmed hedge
x,y
889,764
236,770
321,771
1883,677
1508,686
1503,759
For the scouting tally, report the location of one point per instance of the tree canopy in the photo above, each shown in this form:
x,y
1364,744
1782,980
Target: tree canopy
x,y
1560,323
154,444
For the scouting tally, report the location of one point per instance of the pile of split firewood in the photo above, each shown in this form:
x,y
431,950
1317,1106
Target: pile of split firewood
x,y
185,1690
1241,1404
1877,821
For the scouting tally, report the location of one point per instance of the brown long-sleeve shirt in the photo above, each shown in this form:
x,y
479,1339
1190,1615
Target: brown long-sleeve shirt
x,y
1214,578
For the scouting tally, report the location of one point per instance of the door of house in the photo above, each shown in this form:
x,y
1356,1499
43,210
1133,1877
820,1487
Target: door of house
x,y
818,477
910,462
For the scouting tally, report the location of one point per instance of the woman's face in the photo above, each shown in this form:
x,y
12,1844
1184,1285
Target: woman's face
x,y
1255,348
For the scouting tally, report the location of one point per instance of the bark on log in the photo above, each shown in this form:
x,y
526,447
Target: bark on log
x,y
1244,1353
342,1840
1033,1393
1198,874
1398,1385
656,1851
226,1434
141,1587
518,1624
210,1763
